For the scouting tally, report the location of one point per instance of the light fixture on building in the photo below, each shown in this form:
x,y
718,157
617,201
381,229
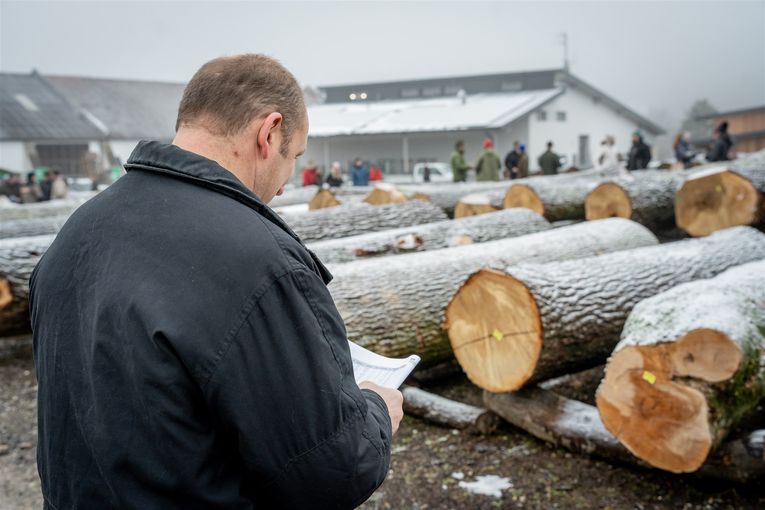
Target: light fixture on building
x,y
363,95
352,96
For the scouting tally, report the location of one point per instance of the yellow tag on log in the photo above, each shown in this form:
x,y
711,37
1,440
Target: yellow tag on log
x,y
498,334
718,188
649,377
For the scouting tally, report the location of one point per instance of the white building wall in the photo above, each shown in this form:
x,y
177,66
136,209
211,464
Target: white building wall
x,y
13,156
584,116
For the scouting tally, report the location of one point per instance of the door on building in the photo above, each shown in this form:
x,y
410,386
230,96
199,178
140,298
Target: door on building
x,y
584,151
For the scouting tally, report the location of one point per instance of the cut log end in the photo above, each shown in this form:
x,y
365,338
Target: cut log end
x,y
6,297
608,200
495,330
322,199
520,195
473,205
384,194
715,201
422,197
648,401
460,240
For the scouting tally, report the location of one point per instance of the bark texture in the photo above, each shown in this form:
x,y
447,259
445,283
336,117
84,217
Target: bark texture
x,y
448,413
689,367
431,236
447,195
32,227
18,257
11,212
475,204
556,198
576,426
537,321
353,220
396,308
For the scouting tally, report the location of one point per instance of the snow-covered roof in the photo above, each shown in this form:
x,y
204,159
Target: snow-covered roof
x,y
477,111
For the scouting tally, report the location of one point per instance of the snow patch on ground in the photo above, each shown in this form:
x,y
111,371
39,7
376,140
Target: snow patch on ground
x,y
488,485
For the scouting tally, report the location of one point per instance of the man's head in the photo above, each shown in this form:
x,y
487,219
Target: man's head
x,y
549,146
357,162
460,146
637,136
246,112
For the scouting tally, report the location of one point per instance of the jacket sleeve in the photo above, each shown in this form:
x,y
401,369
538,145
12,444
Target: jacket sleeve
x,y
284,390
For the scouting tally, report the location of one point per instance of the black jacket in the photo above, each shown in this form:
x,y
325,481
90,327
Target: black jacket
x,y
720,148
189,354
639,156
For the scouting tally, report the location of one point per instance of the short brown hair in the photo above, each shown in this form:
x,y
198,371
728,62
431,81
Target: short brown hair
x,y
227,93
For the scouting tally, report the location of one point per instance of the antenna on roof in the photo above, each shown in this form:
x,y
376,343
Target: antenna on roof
x,y
563,40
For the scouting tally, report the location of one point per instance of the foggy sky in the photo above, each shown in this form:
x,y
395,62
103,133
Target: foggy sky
x,y
657,57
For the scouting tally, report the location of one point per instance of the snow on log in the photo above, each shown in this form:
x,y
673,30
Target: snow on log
x,y
688,367
448,413
446,195
383,194
396,308
18,257
431,236
304,194
475,204
718,198
647,197
537,321
338,222
63,207
577,427
32,226
556,198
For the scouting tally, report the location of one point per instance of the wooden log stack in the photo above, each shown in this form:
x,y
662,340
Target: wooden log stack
x,y
536,321
688,368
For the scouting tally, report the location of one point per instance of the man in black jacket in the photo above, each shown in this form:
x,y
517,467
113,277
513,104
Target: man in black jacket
x,y
188,352
640,153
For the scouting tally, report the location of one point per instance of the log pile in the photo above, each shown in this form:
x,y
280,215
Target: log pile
x,y
65,207
535,321
431,236
447,195
384,194
688,367
474,204
556,198
396,308
718,198
32,226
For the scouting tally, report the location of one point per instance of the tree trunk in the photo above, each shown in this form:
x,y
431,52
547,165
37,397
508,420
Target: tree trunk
x,y
323,199
64,207
431,236
576,426
303,195
714,199
648,198
537,321
477,203
32,227
556,198
448,413
689,366
384,194
18,257
357,219
446,195
396,308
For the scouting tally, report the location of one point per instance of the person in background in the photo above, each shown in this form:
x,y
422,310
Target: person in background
x,y
46,186
721,148
375,174
60,189
683,151
640,153
31,191
359,173
523,162
311,174
608,159
459,167
335,178
549,162
488,165
511,161
426,173
11,188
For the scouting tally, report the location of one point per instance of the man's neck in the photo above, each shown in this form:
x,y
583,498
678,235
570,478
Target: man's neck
x,y
219,149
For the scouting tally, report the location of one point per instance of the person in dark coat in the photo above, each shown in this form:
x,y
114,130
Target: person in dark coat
x,y
335,177
549,162
359,173
722,145
511,161
188,352
11,188
640,153
46,187
684,153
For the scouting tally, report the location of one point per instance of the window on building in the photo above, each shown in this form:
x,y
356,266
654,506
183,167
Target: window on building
x,y
411,92
431,91
561,116
511,86
541,115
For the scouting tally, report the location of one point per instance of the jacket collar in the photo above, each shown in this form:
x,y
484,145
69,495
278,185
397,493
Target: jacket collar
x,y
171,160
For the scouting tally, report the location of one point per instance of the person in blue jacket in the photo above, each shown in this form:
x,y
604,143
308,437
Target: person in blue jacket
x,y
359,173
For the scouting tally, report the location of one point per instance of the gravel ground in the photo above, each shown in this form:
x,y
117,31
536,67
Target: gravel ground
x,y
430,466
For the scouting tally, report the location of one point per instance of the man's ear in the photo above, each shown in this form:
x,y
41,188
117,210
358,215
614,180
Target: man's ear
x,y
269,133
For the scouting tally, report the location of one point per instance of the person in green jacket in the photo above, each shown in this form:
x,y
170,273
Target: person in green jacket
x,y
488,165
549,162
459,167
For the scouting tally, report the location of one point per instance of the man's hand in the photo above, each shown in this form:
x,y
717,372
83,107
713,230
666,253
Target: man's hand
x,y
393,399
